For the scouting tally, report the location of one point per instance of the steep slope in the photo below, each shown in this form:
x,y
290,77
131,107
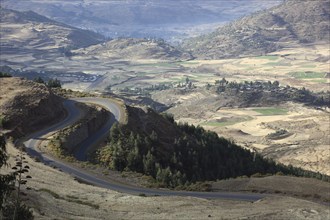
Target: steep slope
x,y
129,48
175,155
143,18
29,32
26,106
287,24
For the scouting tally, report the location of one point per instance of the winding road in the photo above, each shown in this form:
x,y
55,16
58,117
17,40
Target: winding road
x,y
73,114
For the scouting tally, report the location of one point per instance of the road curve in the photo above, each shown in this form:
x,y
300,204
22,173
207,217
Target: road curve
x,y
81,154
73,116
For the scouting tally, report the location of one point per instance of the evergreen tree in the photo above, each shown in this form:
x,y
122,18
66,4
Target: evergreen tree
x,y
54,83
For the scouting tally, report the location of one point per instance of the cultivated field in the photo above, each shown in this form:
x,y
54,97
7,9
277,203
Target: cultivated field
x,y
304,143
307,140
301,66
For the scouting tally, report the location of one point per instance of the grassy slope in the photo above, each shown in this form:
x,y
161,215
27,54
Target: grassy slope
x,y
289,23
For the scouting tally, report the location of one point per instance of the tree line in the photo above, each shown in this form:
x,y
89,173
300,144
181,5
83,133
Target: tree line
x,y
256,91
196,155
3,75
51,83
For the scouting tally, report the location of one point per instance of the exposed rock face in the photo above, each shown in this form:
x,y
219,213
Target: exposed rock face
x,y
72,136
26,106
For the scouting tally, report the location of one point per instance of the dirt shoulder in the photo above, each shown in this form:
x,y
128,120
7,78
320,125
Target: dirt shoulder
x,y
50,198
304,188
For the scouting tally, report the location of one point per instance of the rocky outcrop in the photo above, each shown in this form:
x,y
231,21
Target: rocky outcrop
x,y
27,106
94,120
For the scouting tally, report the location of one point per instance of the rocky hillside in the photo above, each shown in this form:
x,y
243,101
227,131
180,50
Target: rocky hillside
x,y
169,20
25,31
287,24
26,106
70,139
130,48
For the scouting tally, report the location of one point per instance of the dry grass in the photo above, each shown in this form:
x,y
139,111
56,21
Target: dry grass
x,y
56,195
306,188
307,146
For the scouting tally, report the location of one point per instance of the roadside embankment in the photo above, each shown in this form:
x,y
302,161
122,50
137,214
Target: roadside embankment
x,y
27,106
93,118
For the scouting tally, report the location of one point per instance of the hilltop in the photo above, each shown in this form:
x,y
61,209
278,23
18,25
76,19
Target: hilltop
x,y
31,30
289,24
130,48
27,106
33,45
28,36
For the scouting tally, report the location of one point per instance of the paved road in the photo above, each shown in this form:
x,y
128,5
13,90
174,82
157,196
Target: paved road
x,y
81,154
72,116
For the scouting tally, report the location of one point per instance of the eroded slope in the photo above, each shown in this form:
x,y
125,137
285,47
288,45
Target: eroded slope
x,y
27,106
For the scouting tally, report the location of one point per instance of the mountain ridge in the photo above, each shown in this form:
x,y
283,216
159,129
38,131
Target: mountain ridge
x,y
134,48
31,30
290,23
142,18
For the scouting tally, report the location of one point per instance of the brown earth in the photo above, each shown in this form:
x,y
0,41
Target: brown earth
x,y
27,106
133,49
306,188
307,146
50,199
290,23
55,194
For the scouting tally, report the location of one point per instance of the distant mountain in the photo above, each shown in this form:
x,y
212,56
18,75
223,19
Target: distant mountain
x,y
32,42
170,19
26,31
132,48
290,23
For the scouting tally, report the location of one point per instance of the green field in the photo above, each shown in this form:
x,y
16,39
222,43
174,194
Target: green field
x,y
309,66
219,124
277,64
159,64
307,75
188,62
268,57
271,111
227,123
142,74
